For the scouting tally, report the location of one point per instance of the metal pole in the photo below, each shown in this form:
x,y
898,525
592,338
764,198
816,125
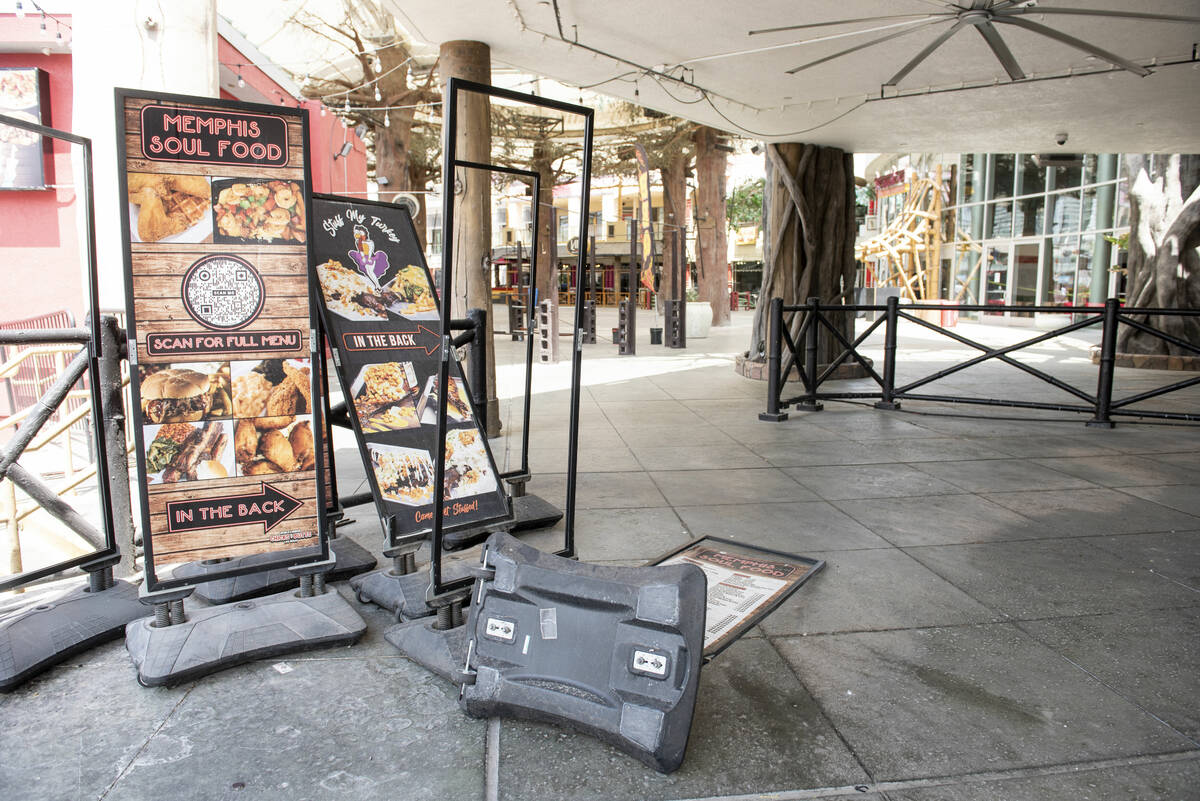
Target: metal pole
x,y
1108,358
810,404
889,355
478,365
775,341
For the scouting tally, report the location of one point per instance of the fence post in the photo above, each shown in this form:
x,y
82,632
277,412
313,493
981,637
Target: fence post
x,y
889,355
1108,358
775,344
114,425
810,404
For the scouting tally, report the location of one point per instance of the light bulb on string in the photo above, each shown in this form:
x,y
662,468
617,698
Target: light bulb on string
x,y
387,120
241,80
20,9
346,107
378,96
45,33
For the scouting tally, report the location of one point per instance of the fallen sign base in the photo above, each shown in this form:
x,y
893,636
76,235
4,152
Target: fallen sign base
x,y
613,652
745,584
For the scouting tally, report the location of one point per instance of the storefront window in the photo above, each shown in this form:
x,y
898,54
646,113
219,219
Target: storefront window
x,y
1059,281
1066,177
1032,178
1001,214
1090,175
1065,219
1030,212
970,179
1083,284
1003,174
966,276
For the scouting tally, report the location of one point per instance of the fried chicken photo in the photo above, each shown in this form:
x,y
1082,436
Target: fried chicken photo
x,y
260,468
284,399
272,423
276,447
245,440
299,377
301,439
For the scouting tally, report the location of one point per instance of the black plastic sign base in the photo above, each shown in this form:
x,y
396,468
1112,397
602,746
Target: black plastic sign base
x,y
350,559
403,596
613,652
221,637
51,629
441,652
532,512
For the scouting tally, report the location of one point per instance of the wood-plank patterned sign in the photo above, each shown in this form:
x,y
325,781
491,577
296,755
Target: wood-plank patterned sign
x,y
226,402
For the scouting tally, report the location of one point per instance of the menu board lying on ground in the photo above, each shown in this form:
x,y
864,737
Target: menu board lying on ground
x,y
745,584
381,312
227,407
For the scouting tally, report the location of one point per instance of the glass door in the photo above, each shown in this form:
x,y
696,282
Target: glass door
x,y
995,279
1024,270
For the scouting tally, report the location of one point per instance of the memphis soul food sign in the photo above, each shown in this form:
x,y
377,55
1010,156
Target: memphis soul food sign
x,y
227,406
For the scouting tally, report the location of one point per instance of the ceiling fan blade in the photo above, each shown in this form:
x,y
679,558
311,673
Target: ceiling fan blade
x,y
842,22
925,53
992,36
1078,44
1097,12
862,46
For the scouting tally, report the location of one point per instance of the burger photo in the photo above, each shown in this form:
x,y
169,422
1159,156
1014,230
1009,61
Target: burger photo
x,y
181,394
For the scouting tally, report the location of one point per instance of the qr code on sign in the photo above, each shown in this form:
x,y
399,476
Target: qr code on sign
x,y
222,291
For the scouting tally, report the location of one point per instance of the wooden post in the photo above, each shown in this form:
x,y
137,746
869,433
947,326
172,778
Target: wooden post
x,y
712,253
472,202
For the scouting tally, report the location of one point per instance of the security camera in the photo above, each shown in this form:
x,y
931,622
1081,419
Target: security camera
x,y
1060,138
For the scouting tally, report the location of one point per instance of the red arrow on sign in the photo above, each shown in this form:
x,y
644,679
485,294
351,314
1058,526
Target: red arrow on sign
x,y
395,340
268,506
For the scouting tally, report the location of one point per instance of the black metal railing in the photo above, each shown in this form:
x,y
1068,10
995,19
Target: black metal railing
x,y
800,353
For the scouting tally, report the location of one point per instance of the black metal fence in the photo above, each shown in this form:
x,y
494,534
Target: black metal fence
x,y
787,353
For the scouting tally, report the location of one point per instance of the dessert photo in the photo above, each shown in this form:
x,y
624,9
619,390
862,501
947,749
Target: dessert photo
x,y
188,452
169,208
185,393
252,211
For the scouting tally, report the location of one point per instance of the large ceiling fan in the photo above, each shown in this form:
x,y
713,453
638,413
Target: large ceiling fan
x,y
982,15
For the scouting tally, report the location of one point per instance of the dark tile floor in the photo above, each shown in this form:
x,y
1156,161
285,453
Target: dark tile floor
x,y
1010,610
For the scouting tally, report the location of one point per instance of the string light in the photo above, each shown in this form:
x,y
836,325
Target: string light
x,y
387,120
45,33
346,108
20,10
378,96
241,80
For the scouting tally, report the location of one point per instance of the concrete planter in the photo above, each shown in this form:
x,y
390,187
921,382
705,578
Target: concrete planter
x,y
699,319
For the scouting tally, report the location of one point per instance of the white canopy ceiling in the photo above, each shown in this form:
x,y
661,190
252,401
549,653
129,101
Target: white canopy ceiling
x,y
697,59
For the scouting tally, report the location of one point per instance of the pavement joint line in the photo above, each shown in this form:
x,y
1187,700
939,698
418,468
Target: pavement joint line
x,y
491,750
1060,769
146,744
817,703
1133,702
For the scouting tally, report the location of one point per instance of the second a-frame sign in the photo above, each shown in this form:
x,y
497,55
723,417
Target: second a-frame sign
x,y
382,315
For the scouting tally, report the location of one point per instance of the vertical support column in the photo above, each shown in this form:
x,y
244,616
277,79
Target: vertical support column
x,y
811,343
472,216
889,355
1108,358
775,352
628,309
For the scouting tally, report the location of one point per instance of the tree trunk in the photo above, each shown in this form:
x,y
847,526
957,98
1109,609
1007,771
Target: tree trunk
x,y
808,251
418,181
712,254
472,233
544,244
674,181
1163,269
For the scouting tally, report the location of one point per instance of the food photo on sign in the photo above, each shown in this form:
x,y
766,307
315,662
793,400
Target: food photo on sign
x,y
169,208
249,211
